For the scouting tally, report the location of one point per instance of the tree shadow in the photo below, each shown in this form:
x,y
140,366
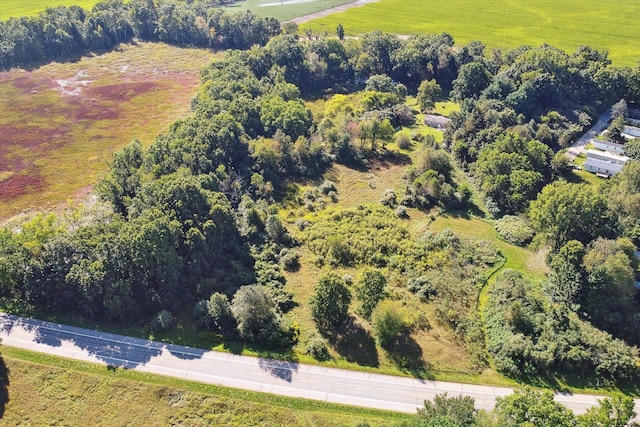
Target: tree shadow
x,y
234,347
389,157
113,349
563,382
406,354
185,353
472,211
355,344
4,386
279,368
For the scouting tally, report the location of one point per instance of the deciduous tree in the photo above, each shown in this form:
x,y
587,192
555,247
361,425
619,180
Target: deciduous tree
x,y
330,302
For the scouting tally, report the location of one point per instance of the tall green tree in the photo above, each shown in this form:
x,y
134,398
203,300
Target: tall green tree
x,y
611,412
472,79
330,302
428,92
460,411
529,407
370,290
566,211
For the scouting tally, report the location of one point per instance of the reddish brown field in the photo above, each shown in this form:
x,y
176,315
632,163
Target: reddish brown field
x,y
60,124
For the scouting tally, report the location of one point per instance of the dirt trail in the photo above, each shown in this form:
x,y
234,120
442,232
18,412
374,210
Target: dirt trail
x,y
323,13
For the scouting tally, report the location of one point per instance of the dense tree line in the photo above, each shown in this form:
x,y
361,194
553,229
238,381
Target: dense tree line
x,y
527,336
524,407
64,33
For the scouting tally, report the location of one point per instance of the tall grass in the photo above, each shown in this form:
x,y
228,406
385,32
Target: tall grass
x,y
47,390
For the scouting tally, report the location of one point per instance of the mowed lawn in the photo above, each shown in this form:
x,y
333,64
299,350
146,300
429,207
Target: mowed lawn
x,y
504,24
62,122
16,8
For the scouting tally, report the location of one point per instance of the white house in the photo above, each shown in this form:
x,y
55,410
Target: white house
x,y
610,146
603,163
632,131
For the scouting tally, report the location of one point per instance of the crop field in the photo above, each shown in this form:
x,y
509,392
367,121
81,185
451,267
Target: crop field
x,y
15,8
61,122
503,24
285,9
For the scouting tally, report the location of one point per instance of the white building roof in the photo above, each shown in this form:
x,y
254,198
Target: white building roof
x,y
607,157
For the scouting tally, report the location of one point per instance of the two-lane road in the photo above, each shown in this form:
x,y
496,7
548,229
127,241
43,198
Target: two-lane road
x,y
251,373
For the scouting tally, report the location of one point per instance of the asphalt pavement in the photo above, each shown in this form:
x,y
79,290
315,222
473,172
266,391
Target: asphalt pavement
x,y
578,147
251,373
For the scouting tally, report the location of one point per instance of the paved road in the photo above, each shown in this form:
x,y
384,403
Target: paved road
x,y
251,373
578,146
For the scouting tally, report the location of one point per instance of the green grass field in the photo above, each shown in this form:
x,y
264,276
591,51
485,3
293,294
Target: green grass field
x,y
504,24
285,9
15,8
47,390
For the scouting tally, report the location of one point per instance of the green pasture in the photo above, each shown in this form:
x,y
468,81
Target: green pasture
x,y
284,10
16,8
504,24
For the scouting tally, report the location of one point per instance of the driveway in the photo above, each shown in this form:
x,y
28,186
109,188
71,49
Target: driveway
x,y
578,147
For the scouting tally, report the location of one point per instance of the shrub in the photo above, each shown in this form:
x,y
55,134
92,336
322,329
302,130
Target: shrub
x,y
162,321
403,142
333,196
317,347
301,224
401,212
389,198
422,287
328,186
290,260
387,323
514,230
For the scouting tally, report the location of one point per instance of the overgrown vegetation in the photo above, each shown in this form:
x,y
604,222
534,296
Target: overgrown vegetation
x,y
222,210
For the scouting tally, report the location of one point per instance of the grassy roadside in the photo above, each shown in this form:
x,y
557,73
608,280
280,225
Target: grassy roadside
x,y
44,390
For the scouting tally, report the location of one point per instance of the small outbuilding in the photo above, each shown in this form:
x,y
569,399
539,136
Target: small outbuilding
x,y
438,122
